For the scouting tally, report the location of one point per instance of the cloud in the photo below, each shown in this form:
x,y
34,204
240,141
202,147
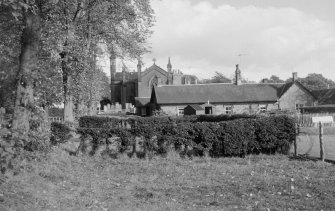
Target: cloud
x,y
202,38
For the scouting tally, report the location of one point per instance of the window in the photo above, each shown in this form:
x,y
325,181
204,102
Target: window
x,y
228,109
298,106
262,108
180,112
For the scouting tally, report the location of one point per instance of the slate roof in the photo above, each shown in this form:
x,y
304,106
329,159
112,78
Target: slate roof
x,y
141,101
325,96
154,67
196,107
218,93
288,85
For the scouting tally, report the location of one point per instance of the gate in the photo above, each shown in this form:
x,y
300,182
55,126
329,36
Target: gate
x,y
317,138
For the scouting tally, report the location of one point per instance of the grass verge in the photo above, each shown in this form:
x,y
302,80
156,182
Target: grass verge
x,y
62,182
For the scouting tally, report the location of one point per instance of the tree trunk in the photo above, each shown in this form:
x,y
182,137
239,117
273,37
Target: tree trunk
x,y
24,101
67,76
68,98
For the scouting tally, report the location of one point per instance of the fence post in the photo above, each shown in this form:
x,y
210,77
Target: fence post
x,y
321,142
295,138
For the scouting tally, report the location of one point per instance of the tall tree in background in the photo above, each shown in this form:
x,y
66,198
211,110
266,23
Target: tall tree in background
x,y
315,81
272,79
217,78
58,43
120,24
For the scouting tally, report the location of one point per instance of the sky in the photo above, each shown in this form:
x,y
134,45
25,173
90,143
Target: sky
x,y
265,37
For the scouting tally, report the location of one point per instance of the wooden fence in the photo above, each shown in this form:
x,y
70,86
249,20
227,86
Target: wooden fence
x,y
305,120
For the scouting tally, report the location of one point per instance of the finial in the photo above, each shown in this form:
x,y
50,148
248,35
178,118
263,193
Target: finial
x,y
154,60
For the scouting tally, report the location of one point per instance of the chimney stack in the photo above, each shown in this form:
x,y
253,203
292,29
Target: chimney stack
x,y
294,76
238,80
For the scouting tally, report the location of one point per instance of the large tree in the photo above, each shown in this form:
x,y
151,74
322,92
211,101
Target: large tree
x,y
217,78
58,43
122,25
315,81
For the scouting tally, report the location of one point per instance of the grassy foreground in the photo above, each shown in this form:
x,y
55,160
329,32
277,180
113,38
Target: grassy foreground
x,y
63,182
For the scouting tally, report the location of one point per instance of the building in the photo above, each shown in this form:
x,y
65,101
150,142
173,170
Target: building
x,y
135,88
194,110
233,97
326,102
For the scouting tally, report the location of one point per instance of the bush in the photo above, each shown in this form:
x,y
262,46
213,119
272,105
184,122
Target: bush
x,y
224,117
100,122
59,133
218,135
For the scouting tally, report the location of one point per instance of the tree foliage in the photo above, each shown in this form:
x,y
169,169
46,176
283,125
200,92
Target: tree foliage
x,y
66,35
315,81
217,78
272,79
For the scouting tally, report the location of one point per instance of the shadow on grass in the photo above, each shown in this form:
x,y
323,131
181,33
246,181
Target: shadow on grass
x,y
306,157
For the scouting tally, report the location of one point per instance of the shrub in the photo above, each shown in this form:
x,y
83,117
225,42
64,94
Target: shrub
x,y
98,122
59,133
224,117
220,136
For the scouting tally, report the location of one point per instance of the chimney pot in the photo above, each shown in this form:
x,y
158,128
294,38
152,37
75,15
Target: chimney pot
x,y
238,80
294,76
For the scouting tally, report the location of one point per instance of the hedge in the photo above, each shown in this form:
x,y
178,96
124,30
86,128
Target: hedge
x,y
224,135
59,133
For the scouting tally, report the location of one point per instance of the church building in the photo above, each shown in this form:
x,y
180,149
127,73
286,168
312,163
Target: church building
x,y
135,88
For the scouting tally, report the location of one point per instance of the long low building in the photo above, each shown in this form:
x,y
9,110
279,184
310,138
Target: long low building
x,y
232,98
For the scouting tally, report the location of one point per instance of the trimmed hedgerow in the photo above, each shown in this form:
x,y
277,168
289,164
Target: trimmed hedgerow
x,y
238,137
99,122
224,117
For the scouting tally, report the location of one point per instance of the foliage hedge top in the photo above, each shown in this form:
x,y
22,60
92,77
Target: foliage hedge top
x,y
236,137
110,122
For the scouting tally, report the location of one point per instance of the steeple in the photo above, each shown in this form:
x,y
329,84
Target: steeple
x,y
169,66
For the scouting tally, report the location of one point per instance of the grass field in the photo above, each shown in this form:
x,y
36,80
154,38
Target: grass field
x,y
62,182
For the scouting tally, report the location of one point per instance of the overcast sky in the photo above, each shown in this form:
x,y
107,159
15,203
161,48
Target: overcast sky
x,y
273,37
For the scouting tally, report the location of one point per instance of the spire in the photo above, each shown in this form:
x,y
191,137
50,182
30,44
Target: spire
x,y
169,66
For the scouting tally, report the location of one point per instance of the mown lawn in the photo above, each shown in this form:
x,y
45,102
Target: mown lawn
x,y
63,182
